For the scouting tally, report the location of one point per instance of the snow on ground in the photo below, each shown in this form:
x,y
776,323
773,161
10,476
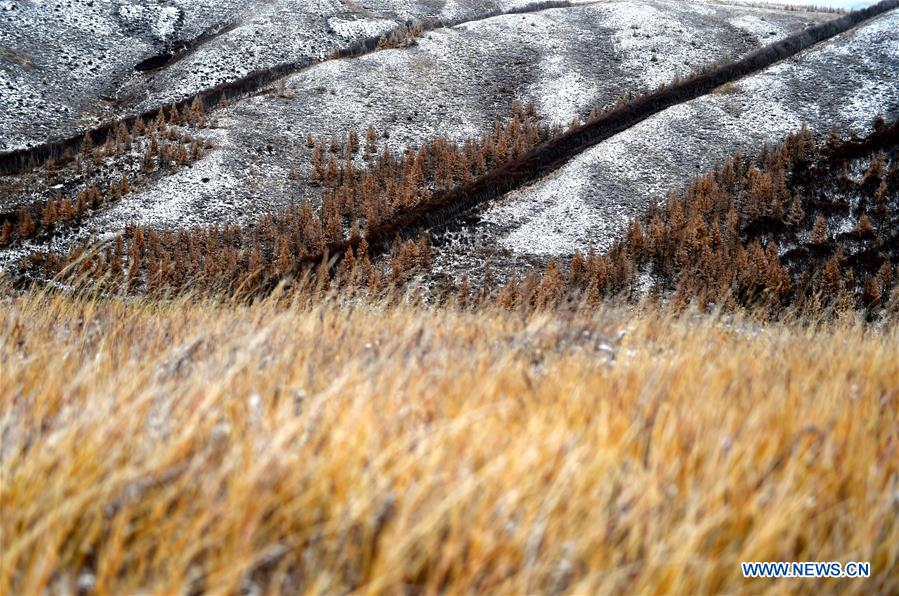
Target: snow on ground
x,y
764,30
587,203
162,19
83,51
844,4
455,82
74,51
640,28
555,217
876,48
553,40
563,97
360,28
174,201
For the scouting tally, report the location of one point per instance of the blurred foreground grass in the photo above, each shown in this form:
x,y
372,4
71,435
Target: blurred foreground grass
x,y
193,446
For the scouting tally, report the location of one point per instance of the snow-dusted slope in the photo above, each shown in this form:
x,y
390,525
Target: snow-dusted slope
x,y
60,60
457,82
846,82
68,64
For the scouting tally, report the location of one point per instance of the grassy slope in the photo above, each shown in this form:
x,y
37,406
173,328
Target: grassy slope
x,y
194,446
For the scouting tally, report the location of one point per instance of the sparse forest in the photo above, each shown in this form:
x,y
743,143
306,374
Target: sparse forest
x,y
359,205
806,223
166,142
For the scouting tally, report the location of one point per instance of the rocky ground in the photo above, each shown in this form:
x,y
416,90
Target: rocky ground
x,y
456,82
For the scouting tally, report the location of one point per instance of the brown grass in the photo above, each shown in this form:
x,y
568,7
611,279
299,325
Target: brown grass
x,y
193,446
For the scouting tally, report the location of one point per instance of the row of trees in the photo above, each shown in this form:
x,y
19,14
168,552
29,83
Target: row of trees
x,y
163,142
752,232
355,201
749,230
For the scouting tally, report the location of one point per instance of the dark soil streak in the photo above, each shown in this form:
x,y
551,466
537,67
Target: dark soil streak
x,y
179,49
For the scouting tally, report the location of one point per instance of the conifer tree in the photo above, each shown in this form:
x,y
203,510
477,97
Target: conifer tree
x,y
795,215
336,144
875,174
48,214
27,228
423,252
317,175
198,112
550,289
636,240
6,234
819,236
715,236
863,227
371,142
353,142
804,143
656,235
332,174
872,293
830,277
347,267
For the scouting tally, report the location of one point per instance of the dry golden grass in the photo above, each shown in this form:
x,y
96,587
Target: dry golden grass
x,y
191,447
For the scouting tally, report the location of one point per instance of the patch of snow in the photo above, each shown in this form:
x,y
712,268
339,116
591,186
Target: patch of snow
x,y
652,44
763,29
561,99
164,26
553,218
360,28
178,200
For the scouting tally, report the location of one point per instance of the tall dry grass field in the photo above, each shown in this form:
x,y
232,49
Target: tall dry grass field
x,y
200,447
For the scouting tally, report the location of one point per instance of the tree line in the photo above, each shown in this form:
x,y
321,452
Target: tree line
x,y
358,204
794,228
751,231
163,142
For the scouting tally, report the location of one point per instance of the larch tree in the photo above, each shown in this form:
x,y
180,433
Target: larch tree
x,y
863,228
353,142
820,236
830,276
795,215
371,142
